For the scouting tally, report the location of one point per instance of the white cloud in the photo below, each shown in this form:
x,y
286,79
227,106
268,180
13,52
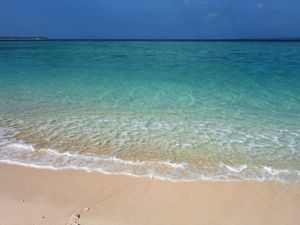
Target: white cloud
x,y
213,14
260,5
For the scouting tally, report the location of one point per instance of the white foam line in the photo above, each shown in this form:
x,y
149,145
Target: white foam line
x,y
93,157
223,177
236,169
275,172
92,170
203,177
22,146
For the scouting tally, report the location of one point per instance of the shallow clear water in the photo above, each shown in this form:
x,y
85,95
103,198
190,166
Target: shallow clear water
x,y
179,110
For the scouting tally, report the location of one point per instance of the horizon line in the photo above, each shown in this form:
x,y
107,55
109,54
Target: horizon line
x,y
40,38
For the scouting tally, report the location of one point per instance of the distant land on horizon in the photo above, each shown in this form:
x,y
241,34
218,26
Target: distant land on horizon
x,y
146,39
23,38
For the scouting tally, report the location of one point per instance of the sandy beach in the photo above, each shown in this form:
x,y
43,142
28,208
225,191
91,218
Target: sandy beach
x,y
63,197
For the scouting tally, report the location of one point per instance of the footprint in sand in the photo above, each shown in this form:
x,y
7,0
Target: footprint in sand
x,y
75,217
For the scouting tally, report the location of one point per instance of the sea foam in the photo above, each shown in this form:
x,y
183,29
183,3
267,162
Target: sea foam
x,y
27,155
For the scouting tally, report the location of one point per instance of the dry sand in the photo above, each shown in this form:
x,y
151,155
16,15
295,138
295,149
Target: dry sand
x,y
40,196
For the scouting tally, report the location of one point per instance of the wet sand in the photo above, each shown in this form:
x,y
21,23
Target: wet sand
x,y
30,196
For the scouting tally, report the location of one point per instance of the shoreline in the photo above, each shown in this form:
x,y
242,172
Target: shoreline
x,y
148,176
65,196
27,155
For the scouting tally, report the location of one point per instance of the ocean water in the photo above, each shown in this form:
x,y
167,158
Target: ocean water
x,y
172,110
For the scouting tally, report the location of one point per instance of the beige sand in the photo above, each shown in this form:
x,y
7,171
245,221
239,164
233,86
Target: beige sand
x,y
39,196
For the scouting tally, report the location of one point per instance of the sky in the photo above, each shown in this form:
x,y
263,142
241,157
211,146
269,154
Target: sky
x,y
150,19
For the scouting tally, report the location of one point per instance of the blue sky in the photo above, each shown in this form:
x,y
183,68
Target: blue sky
x,y
150,18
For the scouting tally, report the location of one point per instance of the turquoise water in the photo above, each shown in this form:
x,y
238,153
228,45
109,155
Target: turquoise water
x,y
178,110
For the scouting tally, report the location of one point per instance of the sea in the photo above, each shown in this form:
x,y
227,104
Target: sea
x,y
176,110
